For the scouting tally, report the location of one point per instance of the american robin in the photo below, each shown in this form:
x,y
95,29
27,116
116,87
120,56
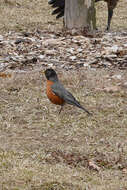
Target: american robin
x,y
56,92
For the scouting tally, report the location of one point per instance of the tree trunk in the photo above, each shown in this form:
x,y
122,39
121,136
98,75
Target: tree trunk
x,y
80,14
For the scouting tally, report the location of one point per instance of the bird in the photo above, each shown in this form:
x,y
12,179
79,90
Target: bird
x,y
59,6
57,93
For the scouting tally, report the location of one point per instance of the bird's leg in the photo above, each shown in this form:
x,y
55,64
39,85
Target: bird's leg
x,y
110,13
61,109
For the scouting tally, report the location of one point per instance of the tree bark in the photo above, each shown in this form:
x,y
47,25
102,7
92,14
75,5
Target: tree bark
x,y
80,14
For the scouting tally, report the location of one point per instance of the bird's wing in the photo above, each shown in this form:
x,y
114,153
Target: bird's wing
x,y
60,91
59,5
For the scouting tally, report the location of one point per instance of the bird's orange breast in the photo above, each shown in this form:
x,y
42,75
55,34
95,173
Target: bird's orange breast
x,y
52,97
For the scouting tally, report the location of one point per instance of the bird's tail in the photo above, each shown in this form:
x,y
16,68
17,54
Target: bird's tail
x,y
81,107
85,110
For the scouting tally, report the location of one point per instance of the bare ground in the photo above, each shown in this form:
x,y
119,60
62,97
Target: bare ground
x,y
41,150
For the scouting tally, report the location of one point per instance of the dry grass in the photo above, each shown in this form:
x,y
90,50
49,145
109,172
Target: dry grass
x,y
30,14
41,150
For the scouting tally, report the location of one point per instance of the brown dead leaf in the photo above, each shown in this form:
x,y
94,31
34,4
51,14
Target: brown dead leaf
x,y
5,75
122,52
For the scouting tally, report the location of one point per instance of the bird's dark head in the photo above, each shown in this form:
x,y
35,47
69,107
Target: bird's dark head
x,y
51,75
